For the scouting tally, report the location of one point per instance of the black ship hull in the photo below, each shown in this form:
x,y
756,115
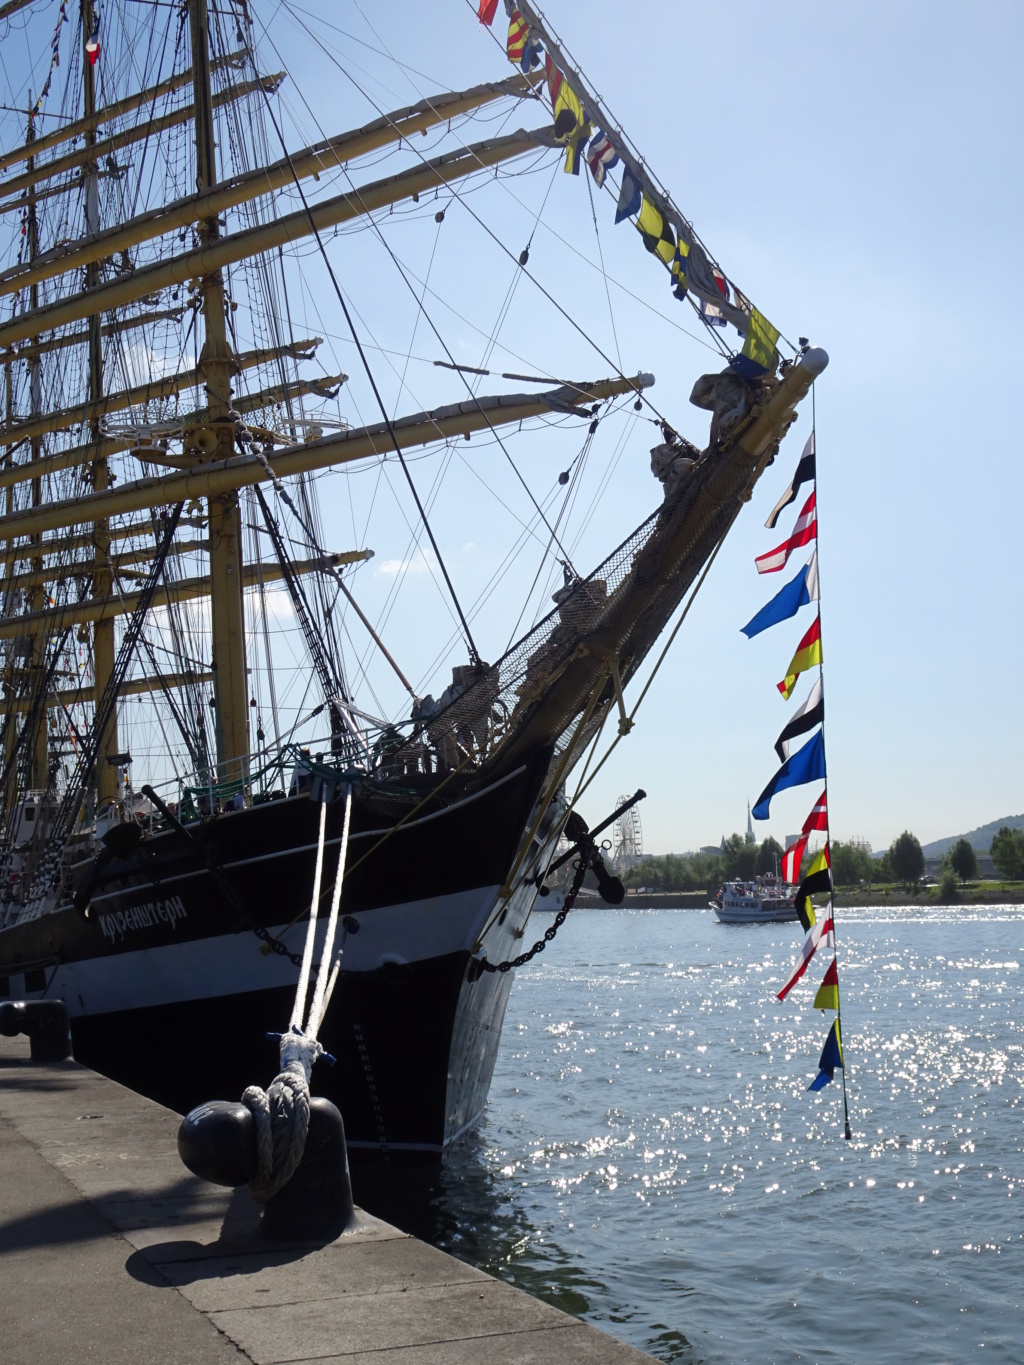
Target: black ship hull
x,y
170,994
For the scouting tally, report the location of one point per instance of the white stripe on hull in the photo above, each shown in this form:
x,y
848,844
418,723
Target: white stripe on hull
x,y
232,964
755,915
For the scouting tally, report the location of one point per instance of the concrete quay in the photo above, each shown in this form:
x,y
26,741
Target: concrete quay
x,y
111,1252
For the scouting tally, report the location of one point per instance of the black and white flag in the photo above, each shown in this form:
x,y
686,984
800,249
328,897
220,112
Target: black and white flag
x,y
809,715
804,474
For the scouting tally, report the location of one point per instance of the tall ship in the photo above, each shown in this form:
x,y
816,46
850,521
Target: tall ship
x,y
200,659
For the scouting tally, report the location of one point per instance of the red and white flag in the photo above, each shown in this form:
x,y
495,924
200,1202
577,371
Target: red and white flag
x,y
814,936
805,530
818,818
791,860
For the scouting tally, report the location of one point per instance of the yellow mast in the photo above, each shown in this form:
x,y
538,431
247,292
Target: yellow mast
x,y
103,645
11,786
99,404
132,688
240,188
211,480
215,253
139,132
53,619
68,132
215,441
37,746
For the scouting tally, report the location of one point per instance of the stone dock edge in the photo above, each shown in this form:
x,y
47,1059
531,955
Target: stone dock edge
x,y
110,1251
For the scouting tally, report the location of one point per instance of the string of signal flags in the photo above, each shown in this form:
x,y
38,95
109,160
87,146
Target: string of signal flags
x,y
719,302
665,233
807,764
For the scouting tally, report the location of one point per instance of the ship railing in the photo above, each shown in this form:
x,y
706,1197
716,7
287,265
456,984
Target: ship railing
x,y
393,753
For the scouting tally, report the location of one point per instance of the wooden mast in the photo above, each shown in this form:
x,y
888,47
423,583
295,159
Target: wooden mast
x,y
248,185
9,794
103,645
37,747
215,441
139,132
212,480
68,132
213,255
103,608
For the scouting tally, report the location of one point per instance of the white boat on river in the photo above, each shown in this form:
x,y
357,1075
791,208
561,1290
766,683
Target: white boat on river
x,y
765,900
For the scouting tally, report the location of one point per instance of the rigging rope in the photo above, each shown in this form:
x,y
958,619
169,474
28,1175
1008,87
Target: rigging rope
x,y
473,651
281,1112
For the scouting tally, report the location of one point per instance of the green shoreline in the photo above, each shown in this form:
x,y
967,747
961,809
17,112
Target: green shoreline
x,y
848,899
971,894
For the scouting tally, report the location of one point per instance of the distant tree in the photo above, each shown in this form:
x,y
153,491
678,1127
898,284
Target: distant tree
x,y
739,859
883,869
647,872
948,885
907,858
707,871
1008,852
675,872
852,863
767,854
963,860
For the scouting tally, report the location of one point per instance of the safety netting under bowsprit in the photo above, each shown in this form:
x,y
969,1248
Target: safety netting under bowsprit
x,y
627,600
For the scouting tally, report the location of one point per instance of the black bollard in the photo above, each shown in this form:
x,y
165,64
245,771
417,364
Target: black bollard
x,y
217,1142
317,1201
44,1022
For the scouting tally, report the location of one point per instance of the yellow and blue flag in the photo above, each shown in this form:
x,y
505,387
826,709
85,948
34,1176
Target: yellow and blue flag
x,y
831,1057
759,355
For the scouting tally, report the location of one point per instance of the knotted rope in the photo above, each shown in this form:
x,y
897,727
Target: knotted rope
x,y
281,1116
281,1112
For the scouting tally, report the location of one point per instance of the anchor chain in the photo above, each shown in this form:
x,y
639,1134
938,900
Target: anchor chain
x,y
549,933
589,857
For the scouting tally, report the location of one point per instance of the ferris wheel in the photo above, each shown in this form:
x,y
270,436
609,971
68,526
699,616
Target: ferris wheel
x,y
627,838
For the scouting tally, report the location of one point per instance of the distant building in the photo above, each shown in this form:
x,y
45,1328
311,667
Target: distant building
x,y
750,827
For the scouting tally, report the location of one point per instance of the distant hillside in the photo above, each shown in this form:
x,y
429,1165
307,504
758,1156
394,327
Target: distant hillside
x,y
979,839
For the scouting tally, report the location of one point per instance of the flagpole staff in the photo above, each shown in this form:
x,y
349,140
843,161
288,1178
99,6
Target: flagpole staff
x,y
847,1132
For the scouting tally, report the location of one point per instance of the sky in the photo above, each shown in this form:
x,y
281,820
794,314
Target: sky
x,y
857,173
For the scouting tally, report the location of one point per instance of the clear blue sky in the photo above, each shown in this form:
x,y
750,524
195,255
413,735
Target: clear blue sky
x,y
857,173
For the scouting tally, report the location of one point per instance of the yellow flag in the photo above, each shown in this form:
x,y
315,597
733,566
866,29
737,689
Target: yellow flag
x,y
571,124
658,236
759,345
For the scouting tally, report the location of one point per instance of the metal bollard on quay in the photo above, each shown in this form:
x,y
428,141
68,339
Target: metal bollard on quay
x,y
44,1022
217,1142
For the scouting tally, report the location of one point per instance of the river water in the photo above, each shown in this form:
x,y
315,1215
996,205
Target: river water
x,y
651,1159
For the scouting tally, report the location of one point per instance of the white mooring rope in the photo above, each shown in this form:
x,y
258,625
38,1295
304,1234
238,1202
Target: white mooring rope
x,y
281,1112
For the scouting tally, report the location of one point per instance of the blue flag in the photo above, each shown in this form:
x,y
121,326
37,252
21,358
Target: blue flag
x,y
788,600
831,1057
630,197
806,765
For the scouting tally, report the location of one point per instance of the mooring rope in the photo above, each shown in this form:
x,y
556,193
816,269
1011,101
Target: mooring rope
x,y
281,1112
